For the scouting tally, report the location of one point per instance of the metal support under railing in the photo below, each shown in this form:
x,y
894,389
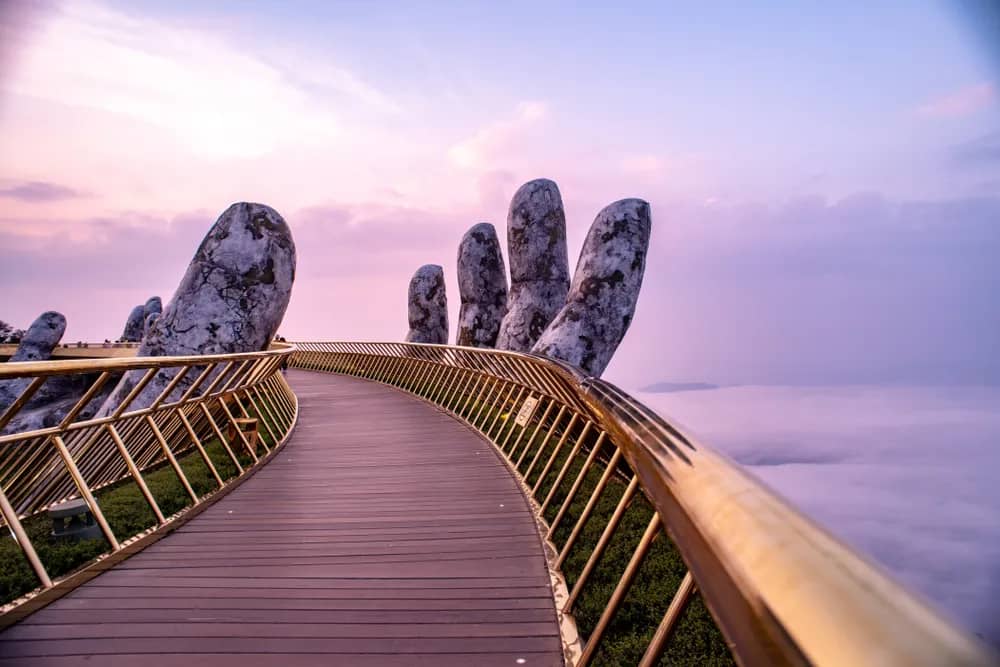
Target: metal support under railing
x,y
781,589
81,457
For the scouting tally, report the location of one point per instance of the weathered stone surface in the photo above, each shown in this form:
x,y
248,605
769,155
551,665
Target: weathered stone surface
x,y
41,337
231,299
37,344
427,306
152,305
58,394
150,321
482,286
539,264
133,325
605,288
56,398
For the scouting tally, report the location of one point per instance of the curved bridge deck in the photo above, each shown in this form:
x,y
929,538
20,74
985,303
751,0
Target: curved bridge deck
x,y
385,533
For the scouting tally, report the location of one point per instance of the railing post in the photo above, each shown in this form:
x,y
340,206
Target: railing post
x,y
10,517
81,485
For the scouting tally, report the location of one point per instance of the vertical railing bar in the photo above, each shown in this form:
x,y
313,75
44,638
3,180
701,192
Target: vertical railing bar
x,y
260,416
444,384
269,394
279,400
217,381
576,484
267,408
566,465
480,377
221,437
173,461
488,422
81,485
22,539
591,503
239,432
512,421
499,421
534,434
611,608
494,384
490,404
174,381
200,447
659,641
20,402
545,441
524,429
149,375
87,397
602,543
189,392
136,475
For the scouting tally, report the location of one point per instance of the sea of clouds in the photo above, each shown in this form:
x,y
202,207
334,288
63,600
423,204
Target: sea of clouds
x,y
909,476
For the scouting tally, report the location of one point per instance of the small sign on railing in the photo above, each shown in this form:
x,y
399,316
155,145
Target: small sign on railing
x,y
527,409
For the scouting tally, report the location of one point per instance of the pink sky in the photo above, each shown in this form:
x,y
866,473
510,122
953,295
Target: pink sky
x,y
125,131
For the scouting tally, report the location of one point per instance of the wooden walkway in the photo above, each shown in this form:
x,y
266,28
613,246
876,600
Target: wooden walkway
x,y
385,533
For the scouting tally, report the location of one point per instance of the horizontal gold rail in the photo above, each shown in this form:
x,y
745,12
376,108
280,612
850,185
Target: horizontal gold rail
x,y
781,589
176,407
81,350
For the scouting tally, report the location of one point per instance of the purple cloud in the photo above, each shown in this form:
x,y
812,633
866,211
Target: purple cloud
x,y
980,151
39,192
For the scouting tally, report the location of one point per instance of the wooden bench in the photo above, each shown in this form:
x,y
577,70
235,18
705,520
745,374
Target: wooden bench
x,y
247,426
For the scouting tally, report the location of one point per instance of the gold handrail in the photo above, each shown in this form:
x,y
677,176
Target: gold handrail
x,y
195,398
782,590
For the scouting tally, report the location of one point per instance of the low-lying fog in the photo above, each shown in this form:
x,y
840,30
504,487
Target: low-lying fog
x,y
908,475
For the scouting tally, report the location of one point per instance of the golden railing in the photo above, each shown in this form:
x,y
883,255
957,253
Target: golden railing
x,y
781,589
203,404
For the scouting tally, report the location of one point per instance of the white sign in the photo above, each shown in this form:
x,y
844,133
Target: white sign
x,y
527,409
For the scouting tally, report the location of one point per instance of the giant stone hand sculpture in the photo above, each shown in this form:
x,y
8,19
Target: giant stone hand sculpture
x,y
605,289
482,286
427,306
152,306
231,299
37,344
582,324
539,264
134,324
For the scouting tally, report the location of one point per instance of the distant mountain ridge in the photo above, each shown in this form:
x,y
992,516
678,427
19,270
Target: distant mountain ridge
x,y
667,387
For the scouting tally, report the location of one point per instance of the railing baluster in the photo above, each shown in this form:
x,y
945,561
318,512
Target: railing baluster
x,y
84,489
200,447
21,400
172,460
566,465
10,517
611,608
221,437
134,471
670,618
591,503
568,500
555,453
545,441
602,542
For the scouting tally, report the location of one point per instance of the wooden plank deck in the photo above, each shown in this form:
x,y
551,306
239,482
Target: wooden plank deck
x,y
386,533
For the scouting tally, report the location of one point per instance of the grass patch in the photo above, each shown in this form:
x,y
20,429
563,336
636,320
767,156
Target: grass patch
x,y
127,513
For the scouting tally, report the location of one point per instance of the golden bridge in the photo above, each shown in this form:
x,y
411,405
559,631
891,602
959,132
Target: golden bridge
x,y
404,504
